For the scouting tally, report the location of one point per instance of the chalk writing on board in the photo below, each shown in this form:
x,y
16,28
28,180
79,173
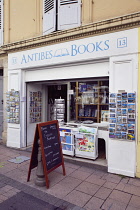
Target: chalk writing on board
x,y
51,145
56,154
47,147
52,127
49,154
55,159
50,138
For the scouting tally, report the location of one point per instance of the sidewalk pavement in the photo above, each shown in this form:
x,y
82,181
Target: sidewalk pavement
x,y
81,188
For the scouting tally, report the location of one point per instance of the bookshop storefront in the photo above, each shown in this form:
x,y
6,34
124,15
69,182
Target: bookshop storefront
x,y
90,86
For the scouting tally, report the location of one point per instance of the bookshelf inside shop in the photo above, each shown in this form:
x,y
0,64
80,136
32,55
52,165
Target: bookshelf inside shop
x,y
92,101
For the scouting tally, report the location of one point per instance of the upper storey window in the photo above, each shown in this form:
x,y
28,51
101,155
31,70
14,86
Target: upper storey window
x,y
61,15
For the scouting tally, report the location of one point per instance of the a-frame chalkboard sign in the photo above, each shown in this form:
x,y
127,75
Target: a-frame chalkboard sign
x,y
51,148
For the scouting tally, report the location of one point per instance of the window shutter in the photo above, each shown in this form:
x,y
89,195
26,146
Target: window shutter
x,y
69,14
1,22
49,16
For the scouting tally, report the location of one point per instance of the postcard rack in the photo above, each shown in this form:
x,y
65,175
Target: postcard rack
x,y
122,107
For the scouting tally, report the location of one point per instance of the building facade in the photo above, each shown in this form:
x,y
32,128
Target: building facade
x,y
77,51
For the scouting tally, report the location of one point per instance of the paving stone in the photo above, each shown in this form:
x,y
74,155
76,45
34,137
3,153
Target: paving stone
x,y
132,189
135,201
5,189
71,165
111,204
77,198
10,182
125,180
95,180
72,207
59,191
3,197
64,205
120,186
25,187
5,170
87,169
131,208
55,177
16,184
112,178
103,193
110,185
2,185
88,188
35,192
80,174
120,196
94,203
15,174
70,182
68,170
59,202
134,181
77,208
99,173
16,190
31,191
9,194
50,199
2,177
23,167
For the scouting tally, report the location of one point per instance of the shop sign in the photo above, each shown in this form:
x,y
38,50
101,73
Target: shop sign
x,y
102,46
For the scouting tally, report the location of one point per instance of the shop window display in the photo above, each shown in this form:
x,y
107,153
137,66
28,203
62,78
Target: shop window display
x,y
90,101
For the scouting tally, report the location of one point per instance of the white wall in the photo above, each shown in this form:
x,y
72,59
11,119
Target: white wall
x,y
69,72
122,153
13,130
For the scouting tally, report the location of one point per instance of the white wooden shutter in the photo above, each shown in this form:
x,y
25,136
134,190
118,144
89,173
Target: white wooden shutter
x,y
49,16
1,22
69,14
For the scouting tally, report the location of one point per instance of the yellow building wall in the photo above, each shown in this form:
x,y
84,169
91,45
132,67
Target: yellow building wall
x,y
87,11
138,142
22,20
106,9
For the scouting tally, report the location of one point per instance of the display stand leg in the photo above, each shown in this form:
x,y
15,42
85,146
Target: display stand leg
x,y
40,180
64,171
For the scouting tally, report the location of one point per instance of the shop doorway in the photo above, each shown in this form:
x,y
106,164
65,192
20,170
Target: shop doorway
x,y
1,103
40,100
57,102
34,110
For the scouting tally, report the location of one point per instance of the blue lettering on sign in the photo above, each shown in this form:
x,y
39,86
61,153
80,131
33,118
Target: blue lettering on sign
x,y
90,48
122,42
61,52
23,60
14,60
75,50
37,56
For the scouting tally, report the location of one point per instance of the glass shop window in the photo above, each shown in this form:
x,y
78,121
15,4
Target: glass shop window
x,y
89,101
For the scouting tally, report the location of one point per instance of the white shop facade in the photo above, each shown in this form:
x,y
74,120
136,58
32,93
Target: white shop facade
x,y
95,81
